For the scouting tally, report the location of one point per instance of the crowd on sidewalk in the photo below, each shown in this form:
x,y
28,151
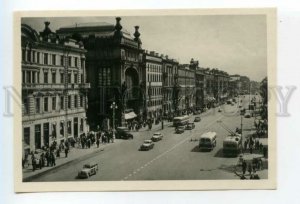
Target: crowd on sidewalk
x,y
47,155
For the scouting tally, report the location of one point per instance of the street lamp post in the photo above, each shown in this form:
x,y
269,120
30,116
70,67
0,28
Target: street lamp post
x,y
114,106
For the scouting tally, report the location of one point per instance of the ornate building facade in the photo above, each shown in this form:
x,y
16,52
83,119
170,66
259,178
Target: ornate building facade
x,y
54,88
114,69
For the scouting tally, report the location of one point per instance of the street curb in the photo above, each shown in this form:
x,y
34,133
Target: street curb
x,y
29,178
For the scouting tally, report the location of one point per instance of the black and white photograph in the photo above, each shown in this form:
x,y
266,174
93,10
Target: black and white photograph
x,y
150,97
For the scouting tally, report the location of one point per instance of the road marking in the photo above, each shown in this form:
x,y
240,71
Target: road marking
x,y
172,148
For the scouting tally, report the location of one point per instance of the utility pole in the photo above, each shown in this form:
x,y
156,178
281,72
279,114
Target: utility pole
x,y
242,132
113,106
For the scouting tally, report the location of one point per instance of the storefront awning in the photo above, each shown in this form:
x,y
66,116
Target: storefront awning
x,y
130,115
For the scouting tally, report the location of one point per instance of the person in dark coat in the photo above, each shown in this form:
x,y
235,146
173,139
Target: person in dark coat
x,y
47,155
66,152
52,158
33,160
244,167
98,142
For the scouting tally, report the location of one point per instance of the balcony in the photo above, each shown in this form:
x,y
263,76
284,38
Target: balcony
x,y
85,86
33,86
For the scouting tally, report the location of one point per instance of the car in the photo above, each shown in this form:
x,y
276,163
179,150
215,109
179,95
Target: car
x,y
179,129
123,133
88,170
147,145
219,110
156,137
197,119
247,114
190,126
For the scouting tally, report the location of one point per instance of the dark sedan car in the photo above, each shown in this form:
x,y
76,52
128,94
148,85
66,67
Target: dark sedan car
x,y
197,119
147,145
190,126
123,133
179,129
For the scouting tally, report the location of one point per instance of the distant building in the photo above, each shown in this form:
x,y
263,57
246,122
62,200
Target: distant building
x,y
54,88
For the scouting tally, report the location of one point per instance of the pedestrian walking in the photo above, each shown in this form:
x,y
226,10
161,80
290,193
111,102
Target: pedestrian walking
x,y
53,159
250,169
98,142
244,167
66,152
58,153
33,161
47,155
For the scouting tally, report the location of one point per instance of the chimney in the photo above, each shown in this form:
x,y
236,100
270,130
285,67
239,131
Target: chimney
x,y
152,53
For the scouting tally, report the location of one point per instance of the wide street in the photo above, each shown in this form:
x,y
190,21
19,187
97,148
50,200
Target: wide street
x,y
176,157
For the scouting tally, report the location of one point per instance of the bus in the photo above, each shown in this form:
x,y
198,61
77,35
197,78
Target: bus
x,y
181,120
232,145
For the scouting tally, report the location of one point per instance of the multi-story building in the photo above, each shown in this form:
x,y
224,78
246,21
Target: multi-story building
x,y
209,97
54,88
169,70
186,81
234,85
114,69
200,84
154,81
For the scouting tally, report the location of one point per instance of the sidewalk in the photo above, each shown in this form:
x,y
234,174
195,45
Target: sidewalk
x,y
74,154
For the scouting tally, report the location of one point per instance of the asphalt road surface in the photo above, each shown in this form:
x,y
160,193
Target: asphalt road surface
x,y
175,157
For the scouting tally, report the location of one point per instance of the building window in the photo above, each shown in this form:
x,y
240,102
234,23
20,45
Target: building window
x,y
81,101
37,105
28,77
62,60
69,78
25,104
62,76
33,56
45,77
70,61
45,58
75,101
26,133
53,77
69,125
76,62
23,55
81,125
81,78
62,102
33,77
23,77
75,78
46,104
53,59
29,56
53,103
69,102
62,129
38,57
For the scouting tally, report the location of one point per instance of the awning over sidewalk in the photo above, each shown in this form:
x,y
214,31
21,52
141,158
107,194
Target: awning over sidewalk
x,y
130,115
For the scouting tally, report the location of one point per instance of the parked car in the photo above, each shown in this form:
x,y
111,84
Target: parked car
x,y
123,133
156,137
197,119
88,170
247,114
219,110
147,145
179,129
190,126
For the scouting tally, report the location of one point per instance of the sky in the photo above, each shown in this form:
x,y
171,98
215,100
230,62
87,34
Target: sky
x,y
236,44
